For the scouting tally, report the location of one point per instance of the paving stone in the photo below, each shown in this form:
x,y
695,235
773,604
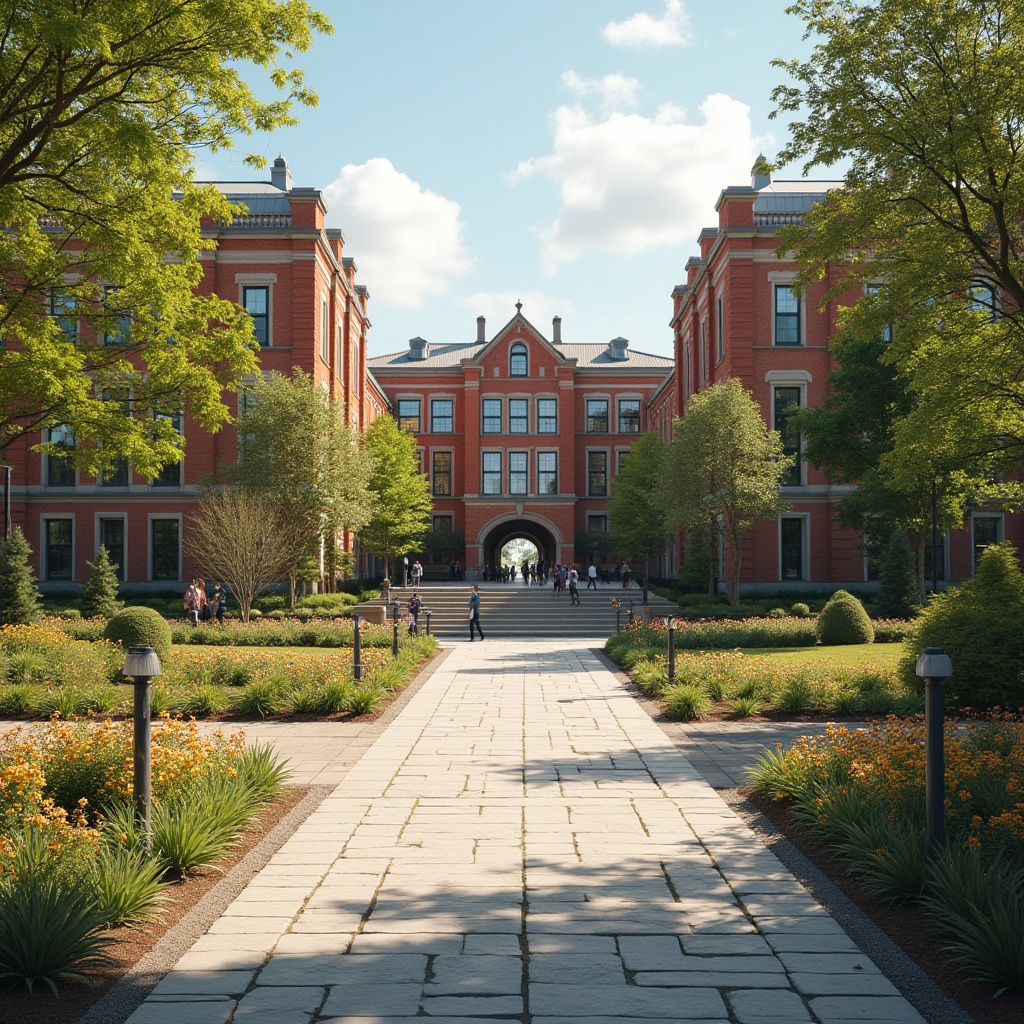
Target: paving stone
x,y
384,1000
761,1007
496,945
851,983
183,1013
827,963
261,1003
576,969
709,979
204,983
493,975
892,1010
627,1001
473,1006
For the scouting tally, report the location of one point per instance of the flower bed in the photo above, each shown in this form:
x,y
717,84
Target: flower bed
x,y
72,858
862,793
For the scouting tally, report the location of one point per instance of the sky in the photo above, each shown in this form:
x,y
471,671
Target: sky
x,y
561,153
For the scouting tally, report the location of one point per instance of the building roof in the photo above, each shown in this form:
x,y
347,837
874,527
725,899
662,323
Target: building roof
x,y
450,356
792,196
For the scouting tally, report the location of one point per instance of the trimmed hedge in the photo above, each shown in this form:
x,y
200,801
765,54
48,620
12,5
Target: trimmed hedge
x,y
140,627
844,621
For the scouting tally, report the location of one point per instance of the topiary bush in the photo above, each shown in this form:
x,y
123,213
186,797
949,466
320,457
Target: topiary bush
x,y
844,621
800,610
979,625
140,627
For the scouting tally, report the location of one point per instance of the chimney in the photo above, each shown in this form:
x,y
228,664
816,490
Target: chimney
x,y
481,329
280,176
760,175
556,330
617,349
417,349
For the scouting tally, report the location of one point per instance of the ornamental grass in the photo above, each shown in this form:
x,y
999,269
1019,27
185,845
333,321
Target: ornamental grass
x,y
862,792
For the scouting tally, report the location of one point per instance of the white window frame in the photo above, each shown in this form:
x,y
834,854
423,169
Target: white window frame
x,y
1000,531
786,279
243,281
558,482
524,452
598,397
497,453
430,412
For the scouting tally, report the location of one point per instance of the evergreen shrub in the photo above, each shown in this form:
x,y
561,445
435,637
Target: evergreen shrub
x,y
20,600
99,594
140,627
844,621
898,594
978,624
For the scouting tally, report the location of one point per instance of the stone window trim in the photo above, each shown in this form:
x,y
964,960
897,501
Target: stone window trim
x,y
1000,519
628,396
805,554
598,396
784,279
439,472
99,518
515,473
518,360
484,417
150,519
44,543
440,396
592,472
268,281
492,457
790,379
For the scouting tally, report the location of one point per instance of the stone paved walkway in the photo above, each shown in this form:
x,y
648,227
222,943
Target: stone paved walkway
x,y
524,844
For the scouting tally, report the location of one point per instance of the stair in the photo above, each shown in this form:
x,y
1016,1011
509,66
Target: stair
x,y
511,610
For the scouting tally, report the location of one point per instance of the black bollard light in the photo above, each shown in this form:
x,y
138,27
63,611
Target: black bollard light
x,y
142,665
357,649
428,623
933,666
394,637
630,611
618,620
671,649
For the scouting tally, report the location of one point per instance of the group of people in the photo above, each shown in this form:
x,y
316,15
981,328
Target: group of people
x,y
200,608
566,577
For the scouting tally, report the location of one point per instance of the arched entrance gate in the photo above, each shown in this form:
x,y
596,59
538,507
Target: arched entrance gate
x,y
494,538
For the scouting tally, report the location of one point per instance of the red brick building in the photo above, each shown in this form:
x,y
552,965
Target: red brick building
x,y
738,315
521,435
282,264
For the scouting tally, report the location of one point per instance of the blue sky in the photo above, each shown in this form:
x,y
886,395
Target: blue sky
x,y
565,153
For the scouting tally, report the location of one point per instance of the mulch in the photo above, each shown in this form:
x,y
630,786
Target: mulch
x,y
906,924
19,1006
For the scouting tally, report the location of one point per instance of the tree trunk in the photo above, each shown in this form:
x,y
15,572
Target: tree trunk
x,y
922,582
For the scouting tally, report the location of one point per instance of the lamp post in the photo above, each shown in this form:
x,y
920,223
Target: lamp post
x,y
142,665
671,649
933,666
357,650
428,623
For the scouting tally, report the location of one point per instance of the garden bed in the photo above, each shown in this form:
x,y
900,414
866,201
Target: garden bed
x,y
906,925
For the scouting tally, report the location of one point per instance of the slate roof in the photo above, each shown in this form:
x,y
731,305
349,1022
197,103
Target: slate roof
x,y
442,356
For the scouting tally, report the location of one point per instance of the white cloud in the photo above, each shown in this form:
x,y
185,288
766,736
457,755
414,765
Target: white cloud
x,y
671,29
615,92
407,240
630,183
499,307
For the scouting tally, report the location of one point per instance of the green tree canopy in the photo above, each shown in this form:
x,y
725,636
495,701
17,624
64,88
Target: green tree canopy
x,y
400,492
924,99
723,469
103,105
636,515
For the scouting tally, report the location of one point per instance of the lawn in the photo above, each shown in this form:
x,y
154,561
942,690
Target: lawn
x,y
852,655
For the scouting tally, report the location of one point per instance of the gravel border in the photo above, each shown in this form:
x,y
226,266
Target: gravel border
x,y
129,992
913,983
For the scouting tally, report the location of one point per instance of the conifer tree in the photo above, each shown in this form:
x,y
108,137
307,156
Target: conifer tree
x,y
19,595
897,576
99,594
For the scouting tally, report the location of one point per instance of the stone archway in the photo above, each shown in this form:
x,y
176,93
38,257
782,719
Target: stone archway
x,y
494,536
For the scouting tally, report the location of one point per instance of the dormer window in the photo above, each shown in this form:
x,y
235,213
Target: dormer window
x,y
517,362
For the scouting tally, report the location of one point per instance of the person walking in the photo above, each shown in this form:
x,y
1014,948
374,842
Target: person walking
x,y
556,585
415,607
592,575
417,574
526,572
474,613
218,603
574,590
192,603
625,575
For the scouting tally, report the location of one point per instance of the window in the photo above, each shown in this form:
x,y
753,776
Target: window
x,y
787,315
518,416
441,415
981,299
59,534
547,472
60,470
787,401
170,475
325,332
720,330
517,361
629,415
791,547
442,524
256,302
597,415
703,354
118,319
166,548
492,416
597,474
442,474
112,538
492,472
597,524
874,289
620,460
872,560
116,476
987,531
547,416
933,571
518,472
62,309
409,414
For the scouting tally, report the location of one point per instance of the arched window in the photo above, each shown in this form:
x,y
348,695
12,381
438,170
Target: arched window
x,y
517,361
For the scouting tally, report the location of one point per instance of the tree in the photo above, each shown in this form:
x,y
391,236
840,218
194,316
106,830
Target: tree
x,y
99,592
103,105
923,98
244,539
898,594
402,504
296,445
635,513
725,468
19,595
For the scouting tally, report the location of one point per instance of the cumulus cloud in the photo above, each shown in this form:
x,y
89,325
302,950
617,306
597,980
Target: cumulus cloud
x,y
499,307
614,92
671,29
630,183
406,239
